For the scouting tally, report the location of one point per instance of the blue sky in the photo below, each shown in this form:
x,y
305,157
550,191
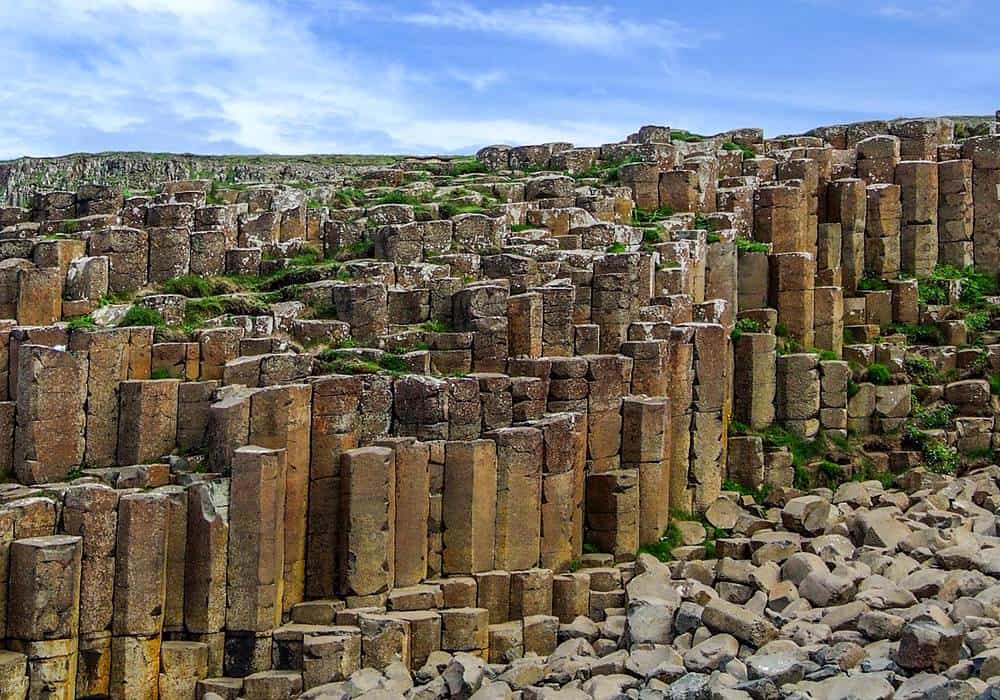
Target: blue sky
x,y
448,76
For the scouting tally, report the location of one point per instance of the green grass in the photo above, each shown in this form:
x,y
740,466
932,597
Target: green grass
x,y
339,362
616,247
930,418
398,197
831,471
81,323
994,380
141,316
878,374
918,334
449,210
160,373
865,471
683,135
520,228
939,457
976,285
613,173
803,451
436,326
196,286
872,284
74,473
362,248
198,311
758,494
702,223
466,166
649,216
349,197
748,245
652,236
748,152
745,325
781,330
664,548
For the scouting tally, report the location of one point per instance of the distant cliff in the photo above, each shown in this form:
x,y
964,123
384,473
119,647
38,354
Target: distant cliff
x,y
139,171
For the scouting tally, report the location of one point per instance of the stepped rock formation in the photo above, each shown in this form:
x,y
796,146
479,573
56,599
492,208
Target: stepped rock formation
x,y
675,417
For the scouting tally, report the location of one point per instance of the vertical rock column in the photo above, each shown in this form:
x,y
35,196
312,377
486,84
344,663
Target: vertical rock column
x,y
710,413
615,296
834,376
780,217
107,355
984,152
39,296
613,512
562,491
847,205
877,159
49,431
807,172
645,443
650,359
140,595
793,277
469,506
255,568
280,419
829,316
644,181
127,250
464,409
882,229
335,424
828,250
525,330
420,405
752,278
608,379
205,569
90,511
412,489
482,310
798,393
558,302
918,182
680,391
722,270
520,455
45,599
368,524
955,213
147,425
753,380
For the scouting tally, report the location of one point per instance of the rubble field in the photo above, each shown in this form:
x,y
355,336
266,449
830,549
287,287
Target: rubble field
x,y
683,416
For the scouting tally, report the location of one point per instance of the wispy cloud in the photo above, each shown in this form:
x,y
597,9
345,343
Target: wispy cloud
x,y
479,81
600,29
229,75
933,10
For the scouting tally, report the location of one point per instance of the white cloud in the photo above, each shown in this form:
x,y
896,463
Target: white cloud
x,y
248,75
479,81
934,10
598,29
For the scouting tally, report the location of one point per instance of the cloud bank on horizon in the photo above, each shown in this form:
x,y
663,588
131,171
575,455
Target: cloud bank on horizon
x,y
449,76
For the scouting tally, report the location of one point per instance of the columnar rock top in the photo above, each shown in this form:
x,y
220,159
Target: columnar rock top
x,y
677,416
